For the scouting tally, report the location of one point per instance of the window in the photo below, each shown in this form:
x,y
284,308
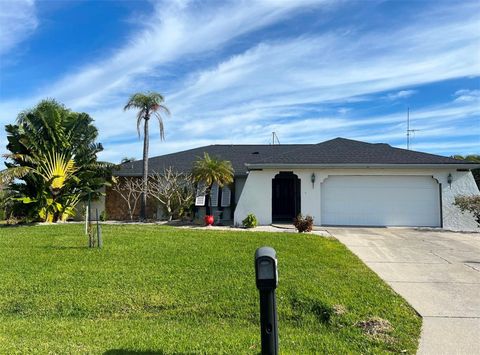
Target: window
x,y
226,196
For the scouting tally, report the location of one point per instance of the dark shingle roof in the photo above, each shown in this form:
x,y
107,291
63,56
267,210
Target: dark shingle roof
x,y
238,155
347,151
335,151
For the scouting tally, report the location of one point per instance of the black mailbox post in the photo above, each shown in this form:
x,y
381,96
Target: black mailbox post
x,y
267,281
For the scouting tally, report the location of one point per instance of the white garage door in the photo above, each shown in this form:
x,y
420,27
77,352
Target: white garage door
x,y
380,201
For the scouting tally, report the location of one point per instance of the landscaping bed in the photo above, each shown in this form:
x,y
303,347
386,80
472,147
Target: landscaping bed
x,y
169,290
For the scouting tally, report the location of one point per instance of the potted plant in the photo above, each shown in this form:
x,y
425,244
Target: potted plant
x,y
208,220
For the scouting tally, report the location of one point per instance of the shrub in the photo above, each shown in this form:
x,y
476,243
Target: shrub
x,y
103,216
303,224
469,204
250,221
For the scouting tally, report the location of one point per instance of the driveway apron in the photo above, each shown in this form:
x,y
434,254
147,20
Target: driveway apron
x,y
436,271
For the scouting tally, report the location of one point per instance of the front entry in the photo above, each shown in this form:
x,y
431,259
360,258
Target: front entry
x,y
285,197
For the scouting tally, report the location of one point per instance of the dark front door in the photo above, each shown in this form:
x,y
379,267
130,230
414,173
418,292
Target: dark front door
x,y
285,197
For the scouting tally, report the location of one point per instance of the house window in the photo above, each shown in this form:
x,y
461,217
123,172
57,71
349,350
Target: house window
x,y
214,195
200,197
226,196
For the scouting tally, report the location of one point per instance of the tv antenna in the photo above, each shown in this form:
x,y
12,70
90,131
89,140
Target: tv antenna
x,y
409,131
275,138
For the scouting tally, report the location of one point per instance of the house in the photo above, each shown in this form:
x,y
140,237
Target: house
x,y
337,182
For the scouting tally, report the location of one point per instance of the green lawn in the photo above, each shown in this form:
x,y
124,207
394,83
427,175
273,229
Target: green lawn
x,y
169,291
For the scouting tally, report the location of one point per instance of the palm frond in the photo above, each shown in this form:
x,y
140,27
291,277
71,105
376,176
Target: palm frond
x,y
12,173
57,168
140,117
213,170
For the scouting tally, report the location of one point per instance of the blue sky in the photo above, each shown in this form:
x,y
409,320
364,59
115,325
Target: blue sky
x,y
233,72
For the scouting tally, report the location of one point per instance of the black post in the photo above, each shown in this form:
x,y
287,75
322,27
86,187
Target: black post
x,y
268,322
267,281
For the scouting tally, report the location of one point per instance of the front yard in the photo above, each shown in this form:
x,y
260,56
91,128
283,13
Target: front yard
x,y
166,290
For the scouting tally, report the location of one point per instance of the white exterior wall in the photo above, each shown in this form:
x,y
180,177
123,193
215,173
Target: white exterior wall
x,y
256,196
463,184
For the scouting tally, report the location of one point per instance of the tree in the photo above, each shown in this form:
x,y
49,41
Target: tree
x,y
474,158
52,164
469,204
130,190
126,160
175,191
209,170
148,104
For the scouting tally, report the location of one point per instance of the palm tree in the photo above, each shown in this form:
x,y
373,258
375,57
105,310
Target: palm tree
x,y
208,170
148,104
52,161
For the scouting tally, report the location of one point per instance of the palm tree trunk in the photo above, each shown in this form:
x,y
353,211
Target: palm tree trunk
x,y
207,201
143,205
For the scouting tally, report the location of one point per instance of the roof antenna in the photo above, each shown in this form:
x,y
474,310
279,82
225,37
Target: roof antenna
x,y
275,137
409,131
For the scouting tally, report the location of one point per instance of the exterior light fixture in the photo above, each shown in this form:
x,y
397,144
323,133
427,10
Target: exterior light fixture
x,y
312,178
449,179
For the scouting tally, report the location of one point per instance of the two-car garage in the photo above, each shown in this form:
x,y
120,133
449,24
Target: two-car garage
x,y
380,201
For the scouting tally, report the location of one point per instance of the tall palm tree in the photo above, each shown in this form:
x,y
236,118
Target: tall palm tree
x,y
148,104
208,170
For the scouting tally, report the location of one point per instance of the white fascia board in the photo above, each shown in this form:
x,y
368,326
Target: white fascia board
x,y
362,166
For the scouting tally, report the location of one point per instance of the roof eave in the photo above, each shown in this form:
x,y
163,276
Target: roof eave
x,y
133,174
360,166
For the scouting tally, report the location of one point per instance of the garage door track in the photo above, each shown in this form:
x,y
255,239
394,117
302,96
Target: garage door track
x,y
437,272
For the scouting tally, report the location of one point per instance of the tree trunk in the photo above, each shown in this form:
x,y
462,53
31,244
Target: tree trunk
x,y
143,206
207,201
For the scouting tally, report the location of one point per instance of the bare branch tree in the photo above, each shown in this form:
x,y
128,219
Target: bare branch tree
x,y
174,191
130,189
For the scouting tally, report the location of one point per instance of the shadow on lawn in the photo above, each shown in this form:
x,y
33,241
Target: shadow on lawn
x,y
135,352
63,247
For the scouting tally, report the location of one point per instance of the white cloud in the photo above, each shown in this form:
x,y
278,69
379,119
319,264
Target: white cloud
x,y
17,21
465,95
334,67
174,31
268,87
402,94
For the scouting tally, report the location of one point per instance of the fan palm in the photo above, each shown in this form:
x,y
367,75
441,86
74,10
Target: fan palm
x,y
148,105
209,170
52,157
56,169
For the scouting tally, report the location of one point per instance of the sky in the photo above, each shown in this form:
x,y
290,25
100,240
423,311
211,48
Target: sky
x,y
234,72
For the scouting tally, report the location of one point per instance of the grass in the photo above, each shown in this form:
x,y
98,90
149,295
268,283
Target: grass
x,y
170,291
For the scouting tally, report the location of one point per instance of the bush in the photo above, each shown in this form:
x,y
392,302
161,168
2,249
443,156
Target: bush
x,y
250,221
103,216
303,224
469,204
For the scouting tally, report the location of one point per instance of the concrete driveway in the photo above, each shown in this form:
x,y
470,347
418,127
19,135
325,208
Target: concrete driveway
x,y
437,272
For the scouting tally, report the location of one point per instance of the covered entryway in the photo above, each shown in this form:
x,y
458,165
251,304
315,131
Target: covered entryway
x,y
285,197
381,201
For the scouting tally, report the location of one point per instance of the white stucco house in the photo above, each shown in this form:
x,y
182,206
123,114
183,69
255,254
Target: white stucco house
x,y
337,182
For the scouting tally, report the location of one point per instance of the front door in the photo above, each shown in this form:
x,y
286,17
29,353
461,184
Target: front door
x,y
285,197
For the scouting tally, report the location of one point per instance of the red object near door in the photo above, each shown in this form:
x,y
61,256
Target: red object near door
x,y
208,220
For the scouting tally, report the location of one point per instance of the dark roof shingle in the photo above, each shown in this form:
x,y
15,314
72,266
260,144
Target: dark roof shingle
x,y
238,155
348,151
335,151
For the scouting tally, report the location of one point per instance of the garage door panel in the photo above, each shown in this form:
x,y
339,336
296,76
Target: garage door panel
x,y
380,201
